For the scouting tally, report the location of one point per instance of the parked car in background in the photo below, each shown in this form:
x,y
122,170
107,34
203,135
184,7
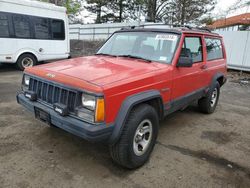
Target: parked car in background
x,y
32,31
138,77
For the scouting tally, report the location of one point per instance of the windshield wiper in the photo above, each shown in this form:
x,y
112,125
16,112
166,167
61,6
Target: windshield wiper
x,y
106,54
135,57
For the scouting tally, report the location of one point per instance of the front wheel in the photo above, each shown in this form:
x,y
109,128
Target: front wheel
x,y
208,104
138,138
26,60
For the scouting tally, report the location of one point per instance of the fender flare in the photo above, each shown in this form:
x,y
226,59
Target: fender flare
x,y
127,106
216,77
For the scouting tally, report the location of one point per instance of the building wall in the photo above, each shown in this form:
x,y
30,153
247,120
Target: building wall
x,y
233,28
95,31
238,49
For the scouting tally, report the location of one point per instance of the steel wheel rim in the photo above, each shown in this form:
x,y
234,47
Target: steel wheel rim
x,y
27,62
142,137
214,97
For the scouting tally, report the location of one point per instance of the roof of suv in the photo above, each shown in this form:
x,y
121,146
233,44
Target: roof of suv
x,y
177,30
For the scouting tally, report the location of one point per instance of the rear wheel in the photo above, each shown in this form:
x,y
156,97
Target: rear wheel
x,y
137,139
208,104
26,60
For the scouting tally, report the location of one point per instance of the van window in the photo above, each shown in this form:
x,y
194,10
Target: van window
x,y
41,27
4,25
192,46
214,49
21,26
58,32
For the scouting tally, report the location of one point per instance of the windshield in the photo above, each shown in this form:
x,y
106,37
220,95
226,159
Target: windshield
x,y
150,46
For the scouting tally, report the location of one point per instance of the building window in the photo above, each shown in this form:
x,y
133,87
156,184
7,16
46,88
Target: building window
x,y
214,49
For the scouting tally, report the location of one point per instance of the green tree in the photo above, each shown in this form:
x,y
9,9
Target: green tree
x,y
97,7
116,10
207,20
73,6
189,11
119,9
155,10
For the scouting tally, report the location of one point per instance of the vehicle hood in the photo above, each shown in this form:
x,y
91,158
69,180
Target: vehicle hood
x,y
99,70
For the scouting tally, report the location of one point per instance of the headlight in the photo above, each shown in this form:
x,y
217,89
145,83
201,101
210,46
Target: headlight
x,y
92,108
26,80
88,101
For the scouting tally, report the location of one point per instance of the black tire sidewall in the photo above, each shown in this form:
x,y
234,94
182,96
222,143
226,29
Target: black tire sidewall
x,y
150,114
19,61
212,108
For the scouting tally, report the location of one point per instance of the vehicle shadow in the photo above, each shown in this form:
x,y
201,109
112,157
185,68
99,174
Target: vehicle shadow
x,y
7,67
83,150
85,154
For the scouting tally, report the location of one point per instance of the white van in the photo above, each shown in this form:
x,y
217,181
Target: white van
x,y
32,31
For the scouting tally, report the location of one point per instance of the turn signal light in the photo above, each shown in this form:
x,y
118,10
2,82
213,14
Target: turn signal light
x,y
100,110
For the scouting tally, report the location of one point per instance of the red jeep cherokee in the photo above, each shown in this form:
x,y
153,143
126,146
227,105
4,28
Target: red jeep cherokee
x,y
137,77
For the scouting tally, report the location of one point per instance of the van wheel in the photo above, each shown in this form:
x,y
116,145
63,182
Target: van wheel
x,y
26,60
208,104
137,139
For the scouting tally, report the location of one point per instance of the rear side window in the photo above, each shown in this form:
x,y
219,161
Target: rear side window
x,y
192,47
58,32
21,26
4,25
41,27
214,49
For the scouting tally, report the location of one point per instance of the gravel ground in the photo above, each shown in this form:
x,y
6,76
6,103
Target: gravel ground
x,y
193,150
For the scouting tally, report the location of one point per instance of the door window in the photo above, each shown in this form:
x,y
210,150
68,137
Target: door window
x,y
192,47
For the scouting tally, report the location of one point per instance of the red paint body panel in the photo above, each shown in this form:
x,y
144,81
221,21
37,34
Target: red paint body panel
x,y
119,78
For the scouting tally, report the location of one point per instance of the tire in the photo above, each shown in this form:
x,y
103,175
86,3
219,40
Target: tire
x,y
208,104
26,60
128,151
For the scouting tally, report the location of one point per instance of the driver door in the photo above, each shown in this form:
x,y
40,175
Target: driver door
x,y
188,80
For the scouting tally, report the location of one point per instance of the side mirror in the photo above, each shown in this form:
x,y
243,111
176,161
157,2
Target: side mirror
x,y
185,62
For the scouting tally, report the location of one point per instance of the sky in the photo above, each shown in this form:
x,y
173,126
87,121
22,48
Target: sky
x,y
224,5
218,12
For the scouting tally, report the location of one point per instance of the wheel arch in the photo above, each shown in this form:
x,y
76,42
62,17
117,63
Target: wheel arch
x,y
151,97
26,51
30,53
219,77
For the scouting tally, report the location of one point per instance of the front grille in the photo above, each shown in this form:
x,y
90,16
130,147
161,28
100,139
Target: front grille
x,y
51,93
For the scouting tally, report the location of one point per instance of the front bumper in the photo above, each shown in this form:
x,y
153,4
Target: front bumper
x,y
72,125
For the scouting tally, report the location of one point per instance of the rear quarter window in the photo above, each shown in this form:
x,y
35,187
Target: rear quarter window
x,y
214,49
58,31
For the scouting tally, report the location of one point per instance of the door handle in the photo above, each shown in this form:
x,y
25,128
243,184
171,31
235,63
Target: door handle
x,y
204,67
